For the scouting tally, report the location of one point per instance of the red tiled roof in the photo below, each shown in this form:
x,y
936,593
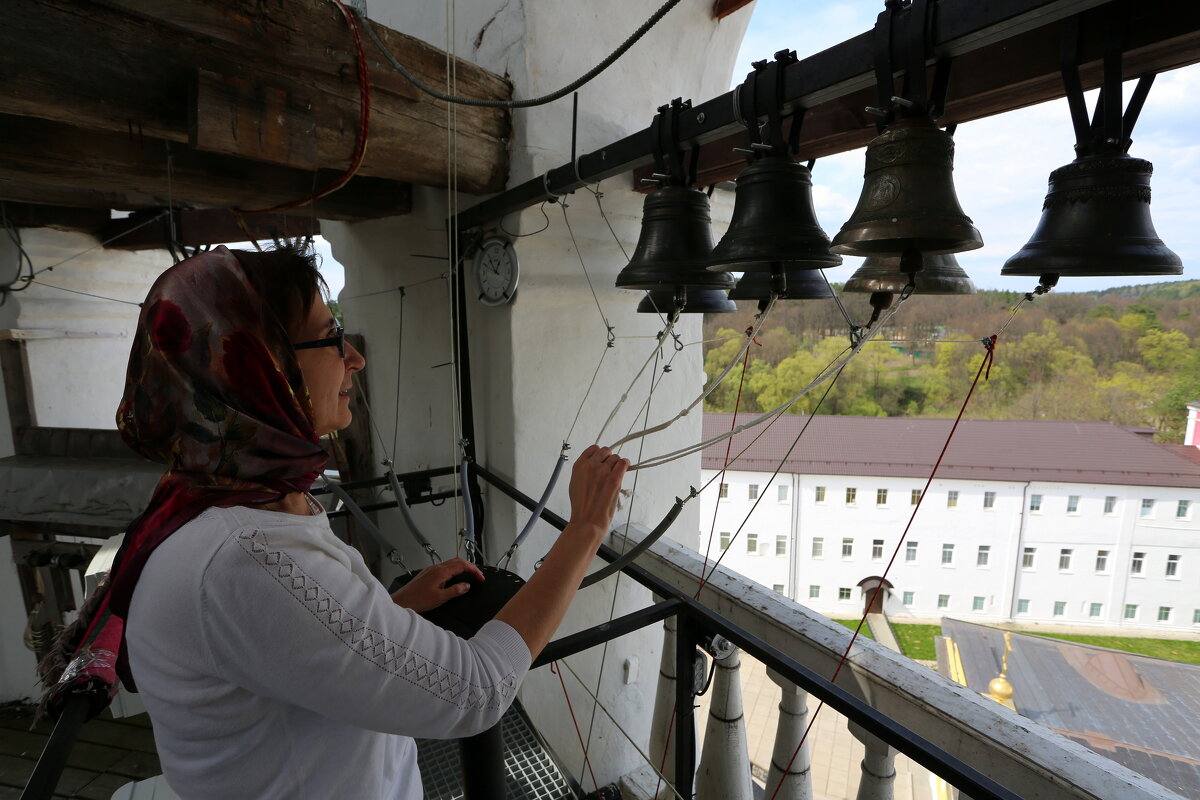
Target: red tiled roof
x,y
998,450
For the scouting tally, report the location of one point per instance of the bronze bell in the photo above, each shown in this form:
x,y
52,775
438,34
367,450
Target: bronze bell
x,y
1096,221
799,284
939,274
695,301
774,221
908,199
675,244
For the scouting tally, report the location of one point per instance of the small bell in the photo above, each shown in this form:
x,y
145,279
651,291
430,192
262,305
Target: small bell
x,y
675,244
694,301
908,199
800,284
774,221
1096,221
939,274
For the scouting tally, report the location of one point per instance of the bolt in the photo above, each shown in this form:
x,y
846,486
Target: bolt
x,y
700,118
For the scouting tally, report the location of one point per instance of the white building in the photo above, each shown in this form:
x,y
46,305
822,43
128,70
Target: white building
x,y
1080,523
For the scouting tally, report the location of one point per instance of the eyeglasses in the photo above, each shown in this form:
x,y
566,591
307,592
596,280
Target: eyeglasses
x,y
338,340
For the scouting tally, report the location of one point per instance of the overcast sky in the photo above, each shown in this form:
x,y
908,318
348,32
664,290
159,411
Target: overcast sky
x,y
1002,163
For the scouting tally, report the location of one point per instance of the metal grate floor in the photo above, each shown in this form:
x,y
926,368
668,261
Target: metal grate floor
x,y
530,771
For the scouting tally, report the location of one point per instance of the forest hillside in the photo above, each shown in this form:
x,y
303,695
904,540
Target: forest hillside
x,y
1125,355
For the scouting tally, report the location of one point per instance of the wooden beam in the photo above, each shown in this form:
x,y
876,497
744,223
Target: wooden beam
x,y
65,218
723,8
130,67
196,227
1011,74
50,154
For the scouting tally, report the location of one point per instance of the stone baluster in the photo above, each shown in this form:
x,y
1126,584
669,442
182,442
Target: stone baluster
x,y
793,721
878,767
724,769
662,743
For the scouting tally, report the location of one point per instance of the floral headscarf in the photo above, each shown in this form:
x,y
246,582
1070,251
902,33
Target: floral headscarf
x,y
214,392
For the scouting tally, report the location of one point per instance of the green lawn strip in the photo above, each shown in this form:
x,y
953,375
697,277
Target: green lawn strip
x,y
852,624
916,641
1170,649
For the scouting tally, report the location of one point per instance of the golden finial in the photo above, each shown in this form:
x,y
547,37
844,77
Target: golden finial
x,y
999,689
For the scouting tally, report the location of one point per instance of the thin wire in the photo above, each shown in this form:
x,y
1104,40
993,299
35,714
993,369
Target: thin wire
x,y
591,383
837,297
86,294
597,704
607,325
105,243
541,208
456,276
659,377
751,335
450,98
578,734
439,277
662,337
399,371
598,194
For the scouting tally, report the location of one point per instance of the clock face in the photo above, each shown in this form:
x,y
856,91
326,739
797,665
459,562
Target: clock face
x,y
496,272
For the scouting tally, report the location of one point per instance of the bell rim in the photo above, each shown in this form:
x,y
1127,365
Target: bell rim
x,y
870,285
645,306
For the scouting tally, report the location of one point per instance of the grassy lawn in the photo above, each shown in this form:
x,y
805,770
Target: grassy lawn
x,y
852,624
916,641
1171,649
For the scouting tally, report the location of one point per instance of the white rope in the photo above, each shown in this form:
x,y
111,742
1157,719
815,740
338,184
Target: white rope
x,y
824,375
662,337
750,336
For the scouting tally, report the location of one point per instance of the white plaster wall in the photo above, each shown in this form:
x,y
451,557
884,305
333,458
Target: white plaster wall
x,y
1007,528
533,359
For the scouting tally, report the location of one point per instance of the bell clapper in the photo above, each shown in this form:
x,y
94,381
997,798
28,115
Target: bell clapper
x,y
880,302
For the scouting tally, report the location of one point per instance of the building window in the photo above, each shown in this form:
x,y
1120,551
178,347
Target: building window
x,y
843,593
1073,504
1101,561
947,554
814,591
977,603
847,548
1035,502
851,495
1181,509
1172,566
1022,606
1196,617
1095,609
1027,557
777,588
820,494
916,497
983,555
1135,566
989,499
952,499
943,601
725,537
881,497
1064,559
908,599
724,491
751,543
753,491
781,545
818,548
910,552
1164,613
1060,608
1147,507
782,491
1110,503
877,550
1130,611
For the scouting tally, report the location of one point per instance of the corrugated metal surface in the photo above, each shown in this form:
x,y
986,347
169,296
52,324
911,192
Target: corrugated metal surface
x,y
997,450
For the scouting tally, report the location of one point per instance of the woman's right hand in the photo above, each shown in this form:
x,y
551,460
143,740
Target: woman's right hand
x,y
595,486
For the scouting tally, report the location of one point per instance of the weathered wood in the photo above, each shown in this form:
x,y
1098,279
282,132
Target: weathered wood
x,y
126,66
195,227
65,218
60,156
723,8
28,192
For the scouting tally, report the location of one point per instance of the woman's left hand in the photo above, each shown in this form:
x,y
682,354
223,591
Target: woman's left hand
x,y
432,586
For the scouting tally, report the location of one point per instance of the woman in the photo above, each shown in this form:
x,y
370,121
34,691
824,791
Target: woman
x,y
273,664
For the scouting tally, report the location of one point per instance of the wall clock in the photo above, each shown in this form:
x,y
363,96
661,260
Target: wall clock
x,y
496,271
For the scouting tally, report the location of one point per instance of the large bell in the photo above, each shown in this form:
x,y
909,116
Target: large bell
x,y
675,244
939,274
695,301
1096,221
908,199
799,284
774,221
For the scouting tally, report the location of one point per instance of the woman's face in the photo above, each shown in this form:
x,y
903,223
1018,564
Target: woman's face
x,y
326,374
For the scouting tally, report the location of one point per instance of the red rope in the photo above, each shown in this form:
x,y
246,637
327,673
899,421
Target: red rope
x,y
578,733
990,344
724,466
364,124
662,764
